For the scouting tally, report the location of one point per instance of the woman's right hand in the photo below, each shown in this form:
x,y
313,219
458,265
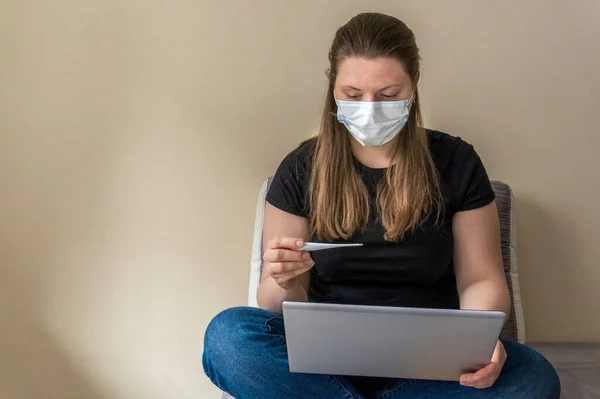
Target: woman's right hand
x,y
284,261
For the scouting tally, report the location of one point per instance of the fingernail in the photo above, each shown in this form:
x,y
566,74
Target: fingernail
x,y
300,243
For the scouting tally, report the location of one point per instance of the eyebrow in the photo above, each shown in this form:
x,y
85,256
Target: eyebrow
x,y
357,89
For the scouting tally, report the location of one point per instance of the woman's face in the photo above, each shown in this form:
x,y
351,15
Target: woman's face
x,y
381,79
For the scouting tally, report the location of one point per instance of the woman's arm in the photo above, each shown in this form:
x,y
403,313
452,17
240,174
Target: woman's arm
x,y
480,278
281,231
478,265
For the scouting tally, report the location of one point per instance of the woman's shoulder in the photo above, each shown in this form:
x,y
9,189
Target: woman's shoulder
x,y
440,141
289,186
463,176
296,165
448,150
300,157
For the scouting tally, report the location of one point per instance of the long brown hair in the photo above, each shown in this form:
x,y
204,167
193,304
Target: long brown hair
x,y
410,192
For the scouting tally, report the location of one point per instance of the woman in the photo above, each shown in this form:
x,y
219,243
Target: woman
x,y
374,175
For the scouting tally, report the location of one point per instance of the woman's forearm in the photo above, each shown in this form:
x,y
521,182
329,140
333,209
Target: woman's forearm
x,y
270,296
486,295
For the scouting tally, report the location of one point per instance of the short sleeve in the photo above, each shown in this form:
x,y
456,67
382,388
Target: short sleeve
x,y
289,185
472,187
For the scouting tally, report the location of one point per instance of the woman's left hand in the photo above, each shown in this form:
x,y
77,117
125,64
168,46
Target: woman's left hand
x,y
486,377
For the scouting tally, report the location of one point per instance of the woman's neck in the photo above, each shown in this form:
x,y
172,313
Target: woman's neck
x,y
374,157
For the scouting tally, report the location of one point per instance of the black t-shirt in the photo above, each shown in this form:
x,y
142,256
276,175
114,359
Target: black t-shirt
x,y
414,272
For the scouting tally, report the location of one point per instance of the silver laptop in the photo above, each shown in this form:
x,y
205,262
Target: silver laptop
x,y
392,342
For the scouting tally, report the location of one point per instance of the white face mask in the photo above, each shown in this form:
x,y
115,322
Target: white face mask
x,y
373,123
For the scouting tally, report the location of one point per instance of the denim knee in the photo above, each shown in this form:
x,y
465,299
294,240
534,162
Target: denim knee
x,y
547,377
222,336
228,340
531,372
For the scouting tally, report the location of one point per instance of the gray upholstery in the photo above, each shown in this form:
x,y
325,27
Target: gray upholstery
x,y
514,329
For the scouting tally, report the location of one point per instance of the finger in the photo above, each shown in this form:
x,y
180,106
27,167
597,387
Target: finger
x,y
470,380
285,242
277,268
489,370
499,355
486,377
285,284
485,382
481,376
467,380
280,269
285,255
288,281
293,273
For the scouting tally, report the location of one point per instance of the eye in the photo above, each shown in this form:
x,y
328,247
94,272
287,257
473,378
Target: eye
x,y
388,95
354,97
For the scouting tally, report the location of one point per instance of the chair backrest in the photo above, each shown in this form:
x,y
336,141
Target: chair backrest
x,y
514,329
256,260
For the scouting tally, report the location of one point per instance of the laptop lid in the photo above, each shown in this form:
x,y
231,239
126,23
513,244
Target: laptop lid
x,y
392,342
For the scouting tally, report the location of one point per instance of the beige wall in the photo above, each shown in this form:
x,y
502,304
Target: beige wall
x,y
134,136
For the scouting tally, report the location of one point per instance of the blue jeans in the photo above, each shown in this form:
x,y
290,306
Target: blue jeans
x,y
245,355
